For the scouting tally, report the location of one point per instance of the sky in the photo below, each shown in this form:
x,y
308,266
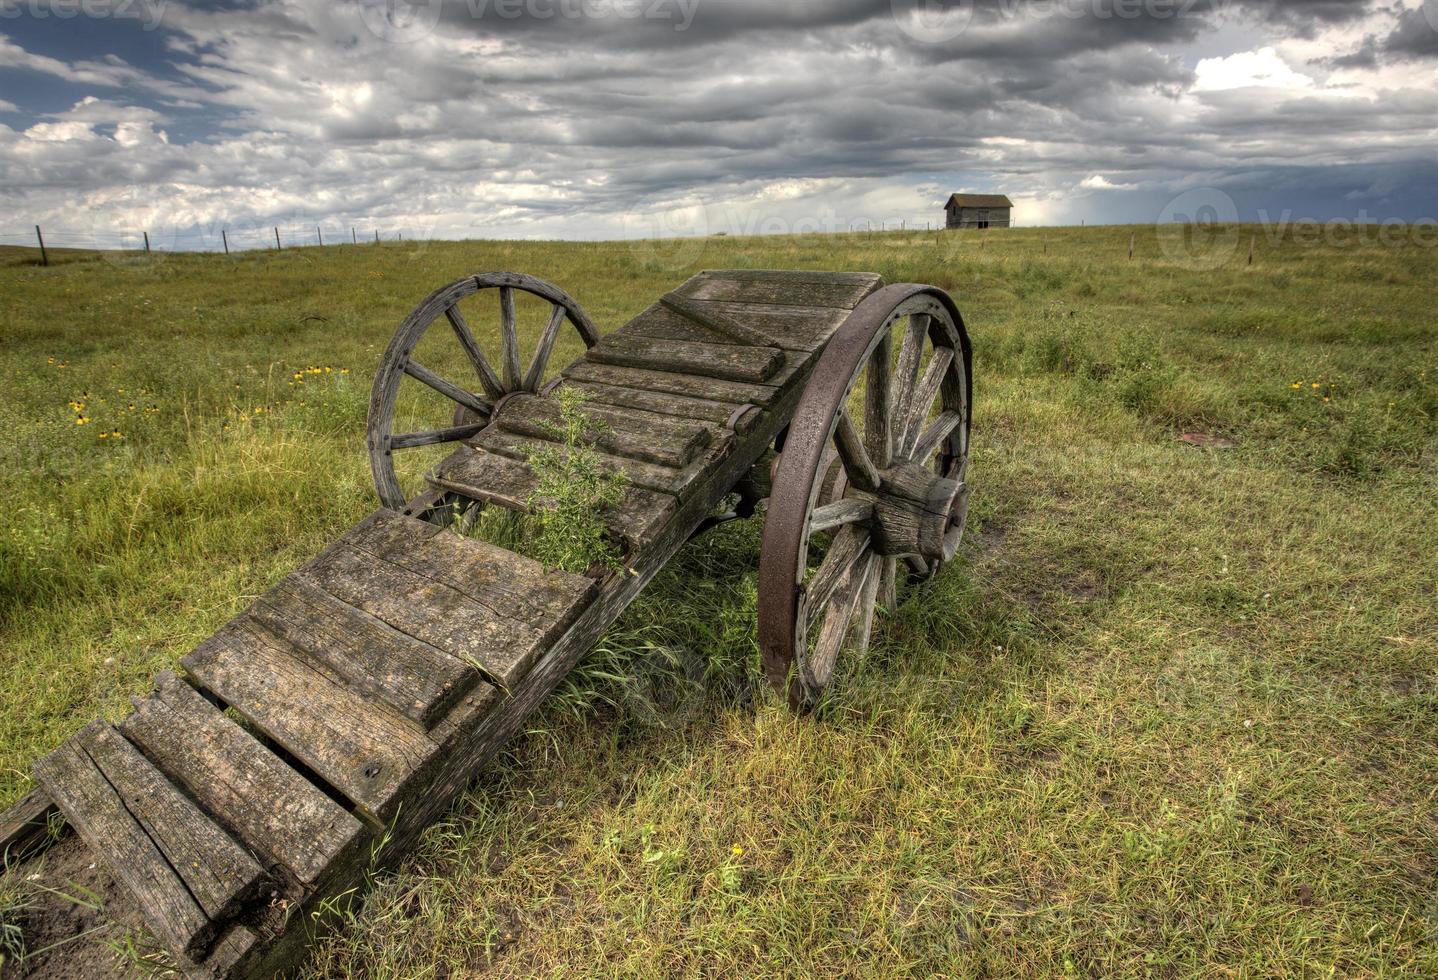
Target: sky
x,y
585,119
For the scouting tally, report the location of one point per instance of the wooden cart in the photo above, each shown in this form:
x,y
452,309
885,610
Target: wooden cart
x,y
320,731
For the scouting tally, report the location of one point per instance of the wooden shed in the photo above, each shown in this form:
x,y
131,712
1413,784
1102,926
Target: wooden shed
x,y
978,211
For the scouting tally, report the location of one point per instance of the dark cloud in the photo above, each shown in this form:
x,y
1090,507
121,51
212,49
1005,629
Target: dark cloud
x,y
465,120
1416,33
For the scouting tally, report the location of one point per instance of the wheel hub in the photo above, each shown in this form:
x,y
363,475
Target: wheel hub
x,y
917,512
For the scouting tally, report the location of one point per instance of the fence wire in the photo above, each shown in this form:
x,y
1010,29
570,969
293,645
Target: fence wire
x,y
242,239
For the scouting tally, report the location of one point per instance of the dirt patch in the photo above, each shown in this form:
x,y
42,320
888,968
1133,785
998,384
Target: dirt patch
x,y
74,930
1207,440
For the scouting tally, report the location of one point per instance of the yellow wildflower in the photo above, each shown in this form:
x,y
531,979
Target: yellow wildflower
x,y
736,850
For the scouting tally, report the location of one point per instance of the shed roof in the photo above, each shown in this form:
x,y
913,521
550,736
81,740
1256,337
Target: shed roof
x,y
981,200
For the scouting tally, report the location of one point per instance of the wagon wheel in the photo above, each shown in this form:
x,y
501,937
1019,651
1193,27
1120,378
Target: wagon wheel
x,y
873,466
474,406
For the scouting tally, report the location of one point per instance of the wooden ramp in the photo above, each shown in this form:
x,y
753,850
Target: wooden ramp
x,y
322,729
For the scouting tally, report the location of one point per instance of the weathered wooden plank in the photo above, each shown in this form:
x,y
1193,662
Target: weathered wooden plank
x,y
25,826
793,328
720,286
795,275
431,612
478,737
357,745
233,953
275,810
185,873
663,403
651,476
734,329
688,385
416,679
516,587
507,482
636,435
735,362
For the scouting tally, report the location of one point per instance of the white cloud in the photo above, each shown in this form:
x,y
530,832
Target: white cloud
x,y
1248,69
558,128
1098,182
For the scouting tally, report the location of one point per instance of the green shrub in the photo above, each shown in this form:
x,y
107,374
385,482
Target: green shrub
x,y
574,489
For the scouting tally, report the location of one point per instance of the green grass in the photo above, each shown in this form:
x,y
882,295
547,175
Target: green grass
x,y
1174,712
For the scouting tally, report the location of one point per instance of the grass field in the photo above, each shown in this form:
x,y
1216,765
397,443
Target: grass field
x,y
1174,712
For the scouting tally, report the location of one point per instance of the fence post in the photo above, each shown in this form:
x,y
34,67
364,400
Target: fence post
x,y
147,241
44,255
277,238
318,237
1131,237
376,235
1251,240
354,236
226,239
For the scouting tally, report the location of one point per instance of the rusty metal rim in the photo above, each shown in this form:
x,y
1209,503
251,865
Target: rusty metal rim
x,y
785,541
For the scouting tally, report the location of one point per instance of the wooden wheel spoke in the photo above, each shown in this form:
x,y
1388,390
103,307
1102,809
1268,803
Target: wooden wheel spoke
x,y
541,353
938,430
911,424
454,433
857,465
906,372
917,566
868,595
878,434
498,372
508,339
487,378
448,389
848,546
841,512
888,584
848,605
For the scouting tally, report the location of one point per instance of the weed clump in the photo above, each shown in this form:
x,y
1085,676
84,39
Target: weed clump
x,y
573,490
13,906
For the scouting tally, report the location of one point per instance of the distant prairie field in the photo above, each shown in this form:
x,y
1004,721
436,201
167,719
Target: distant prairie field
x,y
1173,711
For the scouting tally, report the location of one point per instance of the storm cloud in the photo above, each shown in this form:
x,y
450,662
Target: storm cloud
x,y
620,118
